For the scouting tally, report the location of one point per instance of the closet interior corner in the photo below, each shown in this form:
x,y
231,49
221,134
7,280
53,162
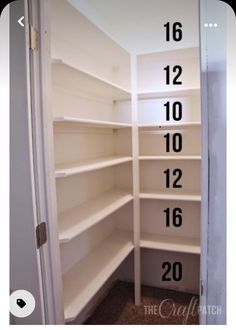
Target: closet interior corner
x,y
108,129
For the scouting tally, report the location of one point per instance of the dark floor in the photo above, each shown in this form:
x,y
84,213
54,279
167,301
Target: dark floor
x,y
158,306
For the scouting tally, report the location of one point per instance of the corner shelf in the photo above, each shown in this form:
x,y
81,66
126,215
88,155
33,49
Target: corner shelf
x,y
90,76
95,83
75,221
65,170
155,94
170,243
169,126
190,157
90,122
161,195
83,281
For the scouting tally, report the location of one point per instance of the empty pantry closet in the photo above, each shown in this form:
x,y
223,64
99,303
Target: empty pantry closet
x,y
126,137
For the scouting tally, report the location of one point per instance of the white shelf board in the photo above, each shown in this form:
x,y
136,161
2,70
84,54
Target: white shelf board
x,y
75,221
169,126
190,157
170,243
96,83
83,280
176,196
90,165
155,94
90,122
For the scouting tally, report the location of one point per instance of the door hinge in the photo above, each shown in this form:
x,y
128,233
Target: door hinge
x,y
34,38
41,234
202,287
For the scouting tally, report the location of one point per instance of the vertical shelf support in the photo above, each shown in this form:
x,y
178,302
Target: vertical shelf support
x,y
136,202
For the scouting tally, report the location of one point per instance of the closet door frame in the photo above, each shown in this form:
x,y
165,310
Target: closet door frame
x,y
43,154
25,258
40,69
213,109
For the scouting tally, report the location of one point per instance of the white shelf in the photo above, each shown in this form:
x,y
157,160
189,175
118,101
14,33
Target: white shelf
x,y
169,126
160,195
94,83
154,94
170,243
191,157
91,165
83,281
82,217
91,122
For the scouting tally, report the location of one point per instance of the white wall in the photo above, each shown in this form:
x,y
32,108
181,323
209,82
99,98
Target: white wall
x,y
137,25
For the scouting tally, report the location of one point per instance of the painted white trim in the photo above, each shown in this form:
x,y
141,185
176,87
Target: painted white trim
x,y
136,202
43,162
31,155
